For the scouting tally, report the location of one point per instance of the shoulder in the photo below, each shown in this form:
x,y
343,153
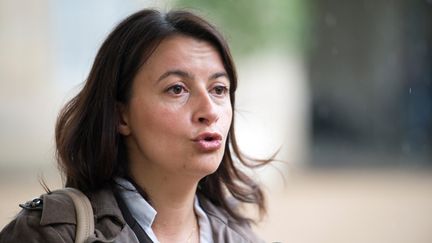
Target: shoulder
x,y
225,228
52,218
49,218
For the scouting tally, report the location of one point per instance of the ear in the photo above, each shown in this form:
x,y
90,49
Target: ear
x,y
123,126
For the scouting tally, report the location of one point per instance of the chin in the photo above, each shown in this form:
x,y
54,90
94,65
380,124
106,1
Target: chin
x,y
205,167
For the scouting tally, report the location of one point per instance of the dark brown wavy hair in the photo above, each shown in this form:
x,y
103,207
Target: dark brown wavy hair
x,y
90,150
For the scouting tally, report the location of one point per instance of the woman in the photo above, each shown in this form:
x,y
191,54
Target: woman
x,y
150,140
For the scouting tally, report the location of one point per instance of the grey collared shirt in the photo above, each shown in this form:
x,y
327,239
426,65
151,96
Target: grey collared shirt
x,y
145,214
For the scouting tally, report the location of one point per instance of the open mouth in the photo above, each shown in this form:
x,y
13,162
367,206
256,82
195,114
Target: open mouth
x,y
208,137
208,141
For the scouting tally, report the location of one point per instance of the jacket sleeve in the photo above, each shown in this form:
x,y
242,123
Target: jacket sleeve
x,y
26,227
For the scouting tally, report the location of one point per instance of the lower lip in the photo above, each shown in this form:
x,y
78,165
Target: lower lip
x,y
208,146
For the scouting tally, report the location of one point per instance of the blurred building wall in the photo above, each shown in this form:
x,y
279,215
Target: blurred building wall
x,y
26,82
47,49
369,66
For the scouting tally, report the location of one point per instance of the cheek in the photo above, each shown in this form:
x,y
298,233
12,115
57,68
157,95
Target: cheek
x,y
160,120
226,120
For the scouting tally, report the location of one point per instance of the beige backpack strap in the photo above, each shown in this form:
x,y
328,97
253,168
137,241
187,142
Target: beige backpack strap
x,y
83,211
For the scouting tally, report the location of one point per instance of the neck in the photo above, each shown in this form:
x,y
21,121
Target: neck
x,y
173,200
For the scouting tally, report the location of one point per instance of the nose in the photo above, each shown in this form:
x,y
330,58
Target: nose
x,y
206,110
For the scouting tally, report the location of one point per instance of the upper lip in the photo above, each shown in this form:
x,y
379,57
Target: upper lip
x,y
208,136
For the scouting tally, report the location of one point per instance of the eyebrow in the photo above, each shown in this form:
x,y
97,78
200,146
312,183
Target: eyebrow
x,y
187,75
218,75
175,72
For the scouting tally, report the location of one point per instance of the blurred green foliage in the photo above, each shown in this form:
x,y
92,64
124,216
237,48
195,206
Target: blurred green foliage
x,y
250,25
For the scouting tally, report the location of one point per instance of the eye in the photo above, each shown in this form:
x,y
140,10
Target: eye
x,y
176,89
219,90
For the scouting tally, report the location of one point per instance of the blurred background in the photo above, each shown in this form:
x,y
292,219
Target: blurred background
x,y
342,88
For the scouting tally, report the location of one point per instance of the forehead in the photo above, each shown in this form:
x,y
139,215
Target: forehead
x,y
183,51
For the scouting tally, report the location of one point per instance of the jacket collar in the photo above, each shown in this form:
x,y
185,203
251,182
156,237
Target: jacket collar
x,y
212,211
105,205
224,227
58,208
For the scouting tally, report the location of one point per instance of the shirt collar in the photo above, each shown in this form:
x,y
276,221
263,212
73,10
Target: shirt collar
x,y
145,214
136,204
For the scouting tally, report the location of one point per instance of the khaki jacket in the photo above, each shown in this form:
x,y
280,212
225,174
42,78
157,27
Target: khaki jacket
x,y
53,220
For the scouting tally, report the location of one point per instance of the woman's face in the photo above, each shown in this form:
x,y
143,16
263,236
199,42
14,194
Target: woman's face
x,y
179,114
